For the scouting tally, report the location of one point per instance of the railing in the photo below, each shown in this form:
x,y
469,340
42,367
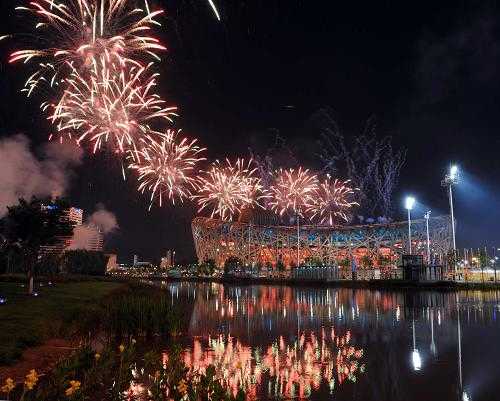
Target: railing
x,y
334,273
485,275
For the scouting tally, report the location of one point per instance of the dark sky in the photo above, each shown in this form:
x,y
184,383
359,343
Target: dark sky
x,y
428,71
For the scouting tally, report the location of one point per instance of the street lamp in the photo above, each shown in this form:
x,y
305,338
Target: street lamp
x,y
427,216
409,203
451,179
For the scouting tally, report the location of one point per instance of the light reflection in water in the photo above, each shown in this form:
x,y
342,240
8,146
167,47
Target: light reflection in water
x,y
276,341
292,370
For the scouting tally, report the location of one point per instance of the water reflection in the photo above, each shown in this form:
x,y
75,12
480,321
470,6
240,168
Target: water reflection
x,y
284,342
293,370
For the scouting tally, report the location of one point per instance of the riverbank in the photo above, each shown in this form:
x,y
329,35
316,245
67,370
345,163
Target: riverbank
x,y
367,284
29,321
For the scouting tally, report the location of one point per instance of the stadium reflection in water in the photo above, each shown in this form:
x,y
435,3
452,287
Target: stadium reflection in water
x,y
280,342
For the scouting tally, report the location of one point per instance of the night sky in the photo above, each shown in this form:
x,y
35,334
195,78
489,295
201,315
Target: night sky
x,y
429,72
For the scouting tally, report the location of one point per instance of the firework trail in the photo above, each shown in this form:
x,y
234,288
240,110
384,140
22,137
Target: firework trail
x,y
333,200
228,188
293,191
113,105
214,8
73,34
167,167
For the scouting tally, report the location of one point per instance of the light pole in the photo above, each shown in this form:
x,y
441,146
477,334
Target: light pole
x,y
427,216
409,203
451,179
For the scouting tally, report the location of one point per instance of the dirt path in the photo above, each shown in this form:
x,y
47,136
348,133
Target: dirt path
x,y
42,358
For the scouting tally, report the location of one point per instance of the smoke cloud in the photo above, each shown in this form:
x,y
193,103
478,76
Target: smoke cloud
x,y
104,219
23,175
101,222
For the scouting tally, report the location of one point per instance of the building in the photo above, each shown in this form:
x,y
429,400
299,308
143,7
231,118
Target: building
x,y
112,264
95,239
269,245
141,264
85,236
168,261
74,216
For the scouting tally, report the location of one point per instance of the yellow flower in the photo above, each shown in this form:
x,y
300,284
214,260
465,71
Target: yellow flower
x,y
182,387
97,356
8,386
31,379
121,348
74,386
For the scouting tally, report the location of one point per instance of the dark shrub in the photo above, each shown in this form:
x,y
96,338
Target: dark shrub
x,y
85,262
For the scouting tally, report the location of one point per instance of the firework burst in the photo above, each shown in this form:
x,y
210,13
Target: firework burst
x,y
167,167
334,199
293,191
228,188
113,105
73,34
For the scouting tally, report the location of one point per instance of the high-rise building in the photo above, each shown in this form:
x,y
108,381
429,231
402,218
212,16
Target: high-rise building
x,y
85,236
74,216
168,261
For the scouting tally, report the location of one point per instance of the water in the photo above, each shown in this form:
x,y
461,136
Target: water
x,y
281,342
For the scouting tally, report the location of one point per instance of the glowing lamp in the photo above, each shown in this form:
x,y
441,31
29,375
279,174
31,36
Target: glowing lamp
x,y
453,172
409,202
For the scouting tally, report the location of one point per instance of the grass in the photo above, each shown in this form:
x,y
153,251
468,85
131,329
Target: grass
x,y
28,321
138,311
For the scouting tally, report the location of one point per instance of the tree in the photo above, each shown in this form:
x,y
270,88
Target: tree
x,y
280,266
344,263
80,261
207,267
369,161
383,262
29,226
231,264
366,262
483,258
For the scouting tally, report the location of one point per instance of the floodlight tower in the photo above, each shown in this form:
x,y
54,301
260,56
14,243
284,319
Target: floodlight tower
x,y
451,179
409,203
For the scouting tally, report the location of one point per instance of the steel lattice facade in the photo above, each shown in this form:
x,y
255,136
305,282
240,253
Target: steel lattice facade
x,y
252,244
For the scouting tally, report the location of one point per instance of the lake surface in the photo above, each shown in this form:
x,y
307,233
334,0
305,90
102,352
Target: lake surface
x,y
281,342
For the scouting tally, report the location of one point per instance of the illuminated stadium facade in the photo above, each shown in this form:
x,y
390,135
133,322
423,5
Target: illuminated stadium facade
x,y
267,244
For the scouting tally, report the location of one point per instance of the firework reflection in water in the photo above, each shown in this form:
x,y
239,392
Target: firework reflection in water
x,y
293,370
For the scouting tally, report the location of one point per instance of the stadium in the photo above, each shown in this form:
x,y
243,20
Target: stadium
x,y
256,243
